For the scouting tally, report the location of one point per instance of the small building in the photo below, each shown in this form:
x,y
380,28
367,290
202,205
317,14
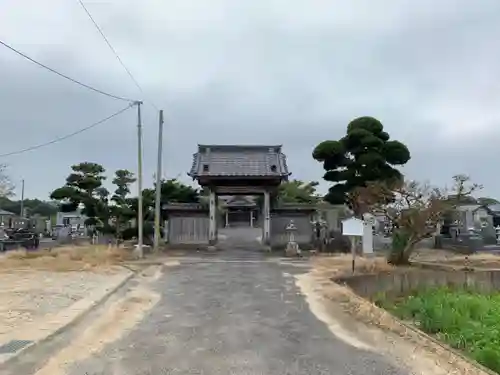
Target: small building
x,y
73,219
239,210
6,217
11,220
494,210
471,216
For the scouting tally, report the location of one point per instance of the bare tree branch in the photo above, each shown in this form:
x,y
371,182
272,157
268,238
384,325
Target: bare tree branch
x,y
6,185
415,209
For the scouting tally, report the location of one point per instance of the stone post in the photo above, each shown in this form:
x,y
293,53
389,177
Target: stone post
x,y
367,241
227,218
468,220
212,236
267,219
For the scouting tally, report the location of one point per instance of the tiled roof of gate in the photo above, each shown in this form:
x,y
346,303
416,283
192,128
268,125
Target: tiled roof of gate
x,y
239,161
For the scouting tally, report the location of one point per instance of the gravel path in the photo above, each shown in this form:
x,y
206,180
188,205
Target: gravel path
x,y
231,318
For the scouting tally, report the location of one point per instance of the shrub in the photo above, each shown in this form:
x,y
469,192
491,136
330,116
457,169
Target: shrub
x,y
464,319
398,253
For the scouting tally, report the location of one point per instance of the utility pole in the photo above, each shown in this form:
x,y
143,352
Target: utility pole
x,y
158,185
22,198
140,217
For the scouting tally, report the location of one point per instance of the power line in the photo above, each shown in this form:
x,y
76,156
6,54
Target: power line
x,y
59,139
64,75
114,52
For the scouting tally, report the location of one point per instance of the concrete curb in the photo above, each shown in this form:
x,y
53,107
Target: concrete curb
x,y
91,305
420,334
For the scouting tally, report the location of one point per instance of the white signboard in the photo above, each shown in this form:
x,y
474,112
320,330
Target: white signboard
x,y
352,227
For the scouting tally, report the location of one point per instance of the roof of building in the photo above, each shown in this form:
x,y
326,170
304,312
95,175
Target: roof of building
x,y
175,206
469,207
240,201
296,207
239,161
6,213
494,207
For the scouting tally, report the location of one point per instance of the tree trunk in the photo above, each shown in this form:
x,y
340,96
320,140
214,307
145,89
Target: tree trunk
x,y
402,248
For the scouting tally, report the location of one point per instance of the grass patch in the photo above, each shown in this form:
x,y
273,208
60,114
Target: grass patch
x,y
341,265
464,319
69,258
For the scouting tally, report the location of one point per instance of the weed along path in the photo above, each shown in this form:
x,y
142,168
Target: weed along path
x,y
219,317
466,320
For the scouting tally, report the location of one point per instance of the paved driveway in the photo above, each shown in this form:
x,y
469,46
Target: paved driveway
x,y
231,317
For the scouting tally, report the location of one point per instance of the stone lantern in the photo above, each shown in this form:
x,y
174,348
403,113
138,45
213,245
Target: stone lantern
x,y
292,248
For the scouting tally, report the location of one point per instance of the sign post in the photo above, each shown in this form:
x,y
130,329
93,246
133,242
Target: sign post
x,y
353,228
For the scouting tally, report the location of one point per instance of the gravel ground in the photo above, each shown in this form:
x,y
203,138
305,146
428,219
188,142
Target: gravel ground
x,y
26,296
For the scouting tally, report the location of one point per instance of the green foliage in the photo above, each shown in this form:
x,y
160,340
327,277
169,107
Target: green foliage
x,y
171,191
465,320
297,191
32,206
133,232
175,191
148,205
364,154
84,188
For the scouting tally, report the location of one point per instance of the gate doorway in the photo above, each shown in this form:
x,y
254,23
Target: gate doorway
x,y
238,172
239,211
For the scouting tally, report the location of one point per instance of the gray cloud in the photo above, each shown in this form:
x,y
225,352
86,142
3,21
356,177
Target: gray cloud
x,y
254,72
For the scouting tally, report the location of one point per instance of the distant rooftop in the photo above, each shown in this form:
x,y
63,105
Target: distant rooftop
x,y
239,161
494,207
6,213
469,207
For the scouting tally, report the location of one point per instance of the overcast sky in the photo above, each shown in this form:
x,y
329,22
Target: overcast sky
x,y
261,71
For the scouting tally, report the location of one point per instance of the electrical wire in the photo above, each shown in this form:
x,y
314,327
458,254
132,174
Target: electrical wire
x,y
59,139
115,53
64,75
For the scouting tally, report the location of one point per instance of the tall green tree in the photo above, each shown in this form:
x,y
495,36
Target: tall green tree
x,y
84,189
172,191
365,154
121,210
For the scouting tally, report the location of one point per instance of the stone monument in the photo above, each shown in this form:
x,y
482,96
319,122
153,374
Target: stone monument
x,y
292,247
